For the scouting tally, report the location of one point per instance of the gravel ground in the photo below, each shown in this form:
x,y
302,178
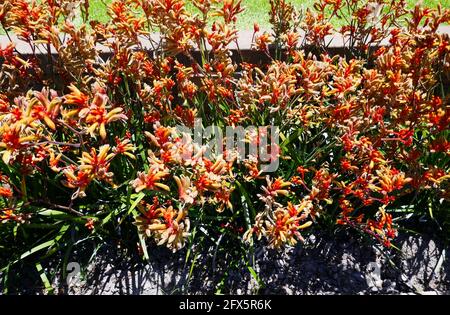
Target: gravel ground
x,y
323,265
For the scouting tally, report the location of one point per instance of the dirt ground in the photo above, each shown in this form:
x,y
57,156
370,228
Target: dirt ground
x,y
323,265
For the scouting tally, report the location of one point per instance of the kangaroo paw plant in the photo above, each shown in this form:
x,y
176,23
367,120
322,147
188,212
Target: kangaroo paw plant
x,y
154,127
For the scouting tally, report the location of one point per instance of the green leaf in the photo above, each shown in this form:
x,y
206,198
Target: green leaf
x,y
139,197
136,202
40,247
255,276
144,246
61,215
5,279
249,204
44,278
430,210
51,213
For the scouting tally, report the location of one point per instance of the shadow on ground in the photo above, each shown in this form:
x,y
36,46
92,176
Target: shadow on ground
x,y
323,265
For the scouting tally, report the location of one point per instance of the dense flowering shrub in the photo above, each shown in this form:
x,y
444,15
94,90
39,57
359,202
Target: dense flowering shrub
x,y
88,120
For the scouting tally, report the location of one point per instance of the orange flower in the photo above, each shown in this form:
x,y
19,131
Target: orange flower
x,y
262,41
54,161
12,140
43,108
76,179
186,192
150,181
7,215
282,226
92,166
90,224
98,116
97,164
77,98
124,147
167,225
391,179
5,192
276,188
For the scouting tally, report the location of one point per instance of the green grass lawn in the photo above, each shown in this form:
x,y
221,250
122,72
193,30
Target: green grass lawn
x,y
255,10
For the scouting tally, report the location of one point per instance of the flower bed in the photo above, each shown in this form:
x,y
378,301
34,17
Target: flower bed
x,y
140,147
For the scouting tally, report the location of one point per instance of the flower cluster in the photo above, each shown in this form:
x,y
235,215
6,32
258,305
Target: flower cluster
x,y
88,118
164,224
